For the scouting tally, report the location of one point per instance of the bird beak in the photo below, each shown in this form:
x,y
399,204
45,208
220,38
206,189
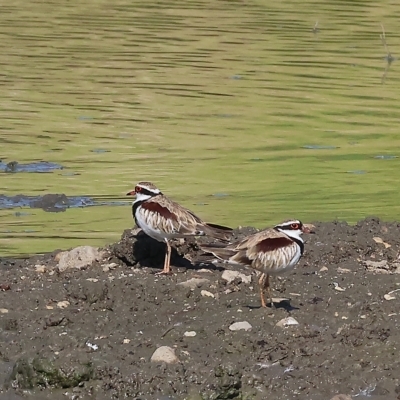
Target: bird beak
x,y
308,228
131,193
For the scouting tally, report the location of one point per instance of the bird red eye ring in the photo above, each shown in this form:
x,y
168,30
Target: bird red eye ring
x,y
295,226
138,189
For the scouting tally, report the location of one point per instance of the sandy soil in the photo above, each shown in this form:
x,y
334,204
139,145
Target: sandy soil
x,y
90,334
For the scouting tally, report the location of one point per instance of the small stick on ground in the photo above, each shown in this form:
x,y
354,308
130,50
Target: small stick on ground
x,y
167,331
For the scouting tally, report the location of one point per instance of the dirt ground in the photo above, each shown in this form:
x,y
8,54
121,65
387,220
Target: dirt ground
x,y
90,334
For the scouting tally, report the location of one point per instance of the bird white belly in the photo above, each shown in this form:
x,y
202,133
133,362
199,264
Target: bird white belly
x,y
151,228
284,265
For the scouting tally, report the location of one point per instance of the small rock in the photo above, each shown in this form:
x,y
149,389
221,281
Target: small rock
x,y
229,276
341,397
79,257
194,283
379,240
338,288
63,304
322,269
3,311
279,300
239,326
40,268
287,322
190,334
92,346
92,279
126,341
343,270
389,297
206,293
377,266
164,354
109,267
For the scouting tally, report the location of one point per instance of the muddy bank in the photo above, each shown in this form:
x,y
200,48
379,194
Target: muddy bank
x,y
52,202
91,333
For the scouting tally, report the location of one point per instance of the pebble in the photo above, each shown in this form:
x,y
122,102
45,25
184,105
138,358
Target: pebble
x,y
92,346
338,288
190,334
229,276
240,326
79,257
322,269
194,283
164,354
3,311
126,341
206,293
287,322
109,267
40,268
389,297
63,304
379,240
377,266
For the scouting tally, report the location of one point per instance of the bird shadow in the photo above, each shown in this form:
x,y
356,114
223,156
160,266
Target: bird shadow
x,y
284,304
150,253
141,249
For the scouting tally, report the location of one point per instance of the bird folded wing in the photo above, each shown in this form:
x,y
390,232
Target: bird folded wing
x,y
158,208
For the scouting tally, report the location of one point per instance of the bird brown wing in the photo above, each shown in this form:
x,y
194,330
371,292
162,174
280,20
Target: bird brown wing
x,y
175,219
263,250
271,244
170,217
158,208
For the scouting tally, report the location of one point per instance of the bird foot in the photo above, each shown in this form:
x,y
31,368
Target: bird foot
x,y
163,272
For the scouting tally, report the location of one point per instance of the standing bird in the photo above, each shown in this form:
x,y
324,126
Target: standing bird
x,y
271,251
163,219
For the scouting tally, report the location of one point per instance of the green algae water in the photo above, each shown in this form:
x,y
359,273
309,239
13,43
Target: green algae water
x,y
247,113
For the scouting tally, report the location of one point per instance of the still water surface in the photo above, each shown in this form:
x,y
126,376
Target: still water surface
x,y
245,112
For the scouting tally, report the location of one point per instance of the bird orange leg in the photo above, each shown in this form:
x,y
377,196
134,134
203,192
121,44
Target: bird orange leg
x,y
268,287
264,284
261,284
167,261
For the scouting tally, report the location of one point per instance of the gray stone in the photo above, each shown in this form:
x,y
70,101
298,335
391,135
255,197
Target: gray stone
x,y
239,326
79,257
194,283
287,322
164,354
229,276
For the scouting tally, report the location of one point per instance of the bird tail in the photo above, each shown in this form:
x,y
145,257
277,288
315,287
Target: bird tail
x,y
218,232
219,251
